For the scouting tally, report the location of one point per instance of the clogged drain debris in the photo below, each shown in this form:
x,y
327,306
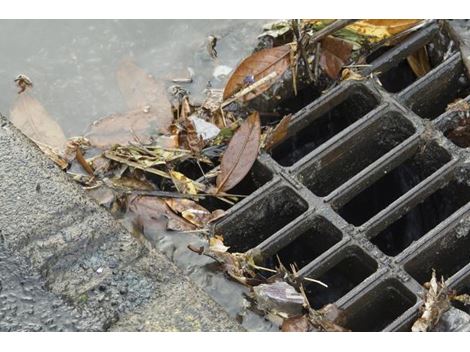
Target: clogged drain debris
x,y
170,167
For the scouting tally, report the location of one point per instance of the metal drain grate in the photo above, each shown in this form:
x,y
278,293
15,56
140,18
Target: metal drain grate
x,y
366,193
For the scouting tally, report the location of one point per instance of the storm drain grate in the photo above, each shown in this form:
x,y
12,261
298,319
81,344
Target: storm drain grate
x,y
366,193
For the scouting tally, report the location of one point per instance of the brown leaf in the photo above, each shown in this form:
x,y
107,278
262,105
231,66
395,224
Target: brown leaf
x,y
335,53
142,91
258,65
190,210
30,116
419,62
279,132
241,153
122,129
296,324
154,214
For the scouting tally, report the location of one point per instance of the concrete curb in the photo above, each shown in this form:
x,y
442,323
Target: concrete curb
x,y
81,269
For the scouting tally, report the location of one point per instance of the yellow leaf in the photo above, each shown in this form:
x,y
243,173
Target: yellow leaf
x,y
377,30
184,184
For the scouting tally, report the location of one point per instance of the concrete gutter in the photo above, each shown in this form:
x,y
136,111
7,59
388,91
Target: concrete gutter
x,y
66,264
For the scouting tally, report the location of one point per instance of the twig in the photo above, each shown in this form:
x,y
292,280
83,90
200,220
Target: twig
x,y
317,61
83,163
249,89
300,46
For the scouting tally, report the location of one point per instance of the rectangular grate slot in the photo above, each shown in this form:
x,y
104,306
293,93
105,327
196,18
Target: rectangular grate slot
x,y
400,76
447,256
255,179
378,308
321,236
394,184
354,268
422,218
347,160
344,112
431,101
263,218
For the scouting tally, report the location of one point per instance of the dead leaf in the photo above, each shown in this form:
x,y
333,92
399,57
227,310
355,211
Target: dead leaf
x,y
463,298
241,154
184,184
335,53
155,215
30,116
379,29
419,62
238,266
132,183
279,133
436,302
255,67
296,324
123,128
191,211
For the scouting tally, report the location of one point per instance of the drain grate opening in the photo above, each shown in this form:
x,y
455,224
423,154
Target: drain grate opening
x,y
422,218
447,255
354,268
378,308
320,237
394,184
402,75
356,103
263,218
347,160
447,86
258,176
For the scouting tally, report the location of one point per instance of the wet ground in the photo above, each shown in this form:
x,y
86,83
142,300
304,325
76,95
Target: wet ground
x,y
72,65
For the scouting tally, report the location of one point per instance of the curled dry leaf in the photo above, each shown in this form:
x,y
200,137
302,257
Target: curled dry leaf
x,y
237,266
154,214
30,116
241,154
419,62
257,66
436,302
279,133
192,211
335,52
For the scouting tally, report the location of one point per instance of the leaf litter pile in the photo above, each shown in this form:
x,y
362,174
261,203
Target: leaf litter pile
x,y
166,161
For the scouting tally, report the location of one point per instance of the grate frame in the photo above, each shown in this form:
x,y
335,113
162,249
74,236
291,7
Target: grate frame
x,y
396,276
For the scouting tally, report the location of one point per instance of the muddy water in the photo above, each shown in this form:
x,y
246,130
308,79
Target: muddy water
x,y
72,65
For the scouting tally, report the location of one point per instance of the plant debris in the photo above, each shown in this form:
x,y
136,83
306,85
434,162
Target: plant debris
x,y
240,155
436,302
162,161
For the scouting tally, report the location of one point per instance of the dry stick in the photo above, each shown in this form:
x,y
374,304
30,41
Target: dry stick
x,y
317,61
82,161
249,89
303,55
